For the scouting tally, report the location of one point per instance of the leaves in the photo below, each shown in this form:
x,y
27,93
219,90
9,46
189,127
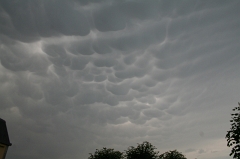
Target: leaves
x,y
106,154
233,136
143,151
172,155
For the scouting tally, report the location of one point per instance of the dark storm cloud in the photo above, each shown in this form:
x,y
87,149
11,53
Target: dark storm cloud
x,y
85,74
30,20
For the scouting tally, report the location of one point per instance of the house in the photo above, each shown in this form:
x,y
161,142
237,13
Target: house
x,y
4,139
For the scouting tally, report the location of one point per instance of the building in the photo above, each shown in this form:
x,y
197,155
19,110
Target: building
x,y
4,139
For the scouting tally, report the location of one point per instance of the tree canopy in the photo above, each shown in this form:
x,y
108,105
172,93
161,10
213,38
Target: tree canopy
x,y
172,155
106,153
143,151
233,135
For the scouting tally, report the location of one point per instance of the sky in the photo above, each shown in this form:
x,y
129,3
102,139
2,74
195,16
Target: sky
x,y
80,75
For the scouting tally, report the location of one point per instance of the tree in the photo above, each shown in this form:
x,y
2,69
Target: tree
x,y
233,135
172,155
142,151
106,154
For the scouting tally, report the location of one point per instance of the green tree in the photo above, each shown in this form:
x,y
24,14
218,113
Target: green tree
x,y
142,151
172,155
106,154
233,135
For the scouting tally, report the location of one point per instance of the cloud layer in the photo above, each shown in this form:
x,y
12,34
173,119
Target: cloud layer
x,y
79,75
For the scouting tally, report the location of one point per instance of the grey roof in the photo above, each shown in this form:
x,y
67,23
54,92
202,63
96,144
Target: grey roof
x,y
4,139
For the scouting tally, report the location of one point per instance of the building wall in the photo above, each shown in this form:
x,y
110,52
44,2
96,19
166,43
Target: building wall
x,y
3,149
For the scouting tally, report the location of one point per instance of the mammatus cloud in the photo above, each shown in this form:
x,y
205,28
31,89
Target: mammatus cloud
x,y
79,75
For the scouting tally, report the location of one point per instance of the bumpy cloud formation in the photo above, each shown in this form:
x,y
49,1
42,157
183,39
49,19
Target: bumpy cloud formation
x,y
87,74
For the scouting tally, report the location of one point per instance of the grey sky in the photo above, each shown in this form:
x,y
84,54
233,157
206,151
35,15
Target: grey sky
x,y
77,75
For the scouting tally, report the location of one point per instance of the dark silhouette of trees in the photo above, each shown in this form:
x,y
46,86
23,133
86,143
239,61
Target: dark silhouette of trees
x,y
142,151
106,154
172,155
233,135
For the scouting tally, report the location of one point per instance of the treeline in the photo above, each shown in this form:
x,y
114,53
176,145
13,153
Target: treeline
x,y
143,151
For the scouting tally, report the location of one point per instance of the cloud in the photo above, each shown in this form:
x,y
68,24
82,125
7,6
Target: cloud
x,y
30,20
201,134
201,151
190,150
88,74
109,19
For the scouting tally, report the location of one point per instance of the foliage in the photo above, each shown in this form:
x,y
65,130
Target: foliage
x,y
172,155
142,151
106,154
233,135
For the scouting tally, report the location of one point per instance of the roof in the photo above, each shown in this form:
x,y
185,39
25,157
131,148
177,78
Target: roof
x,y
4,139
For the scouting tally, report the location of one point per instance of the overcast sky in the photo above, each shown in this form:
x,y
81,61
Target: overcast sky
x,y
80,75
